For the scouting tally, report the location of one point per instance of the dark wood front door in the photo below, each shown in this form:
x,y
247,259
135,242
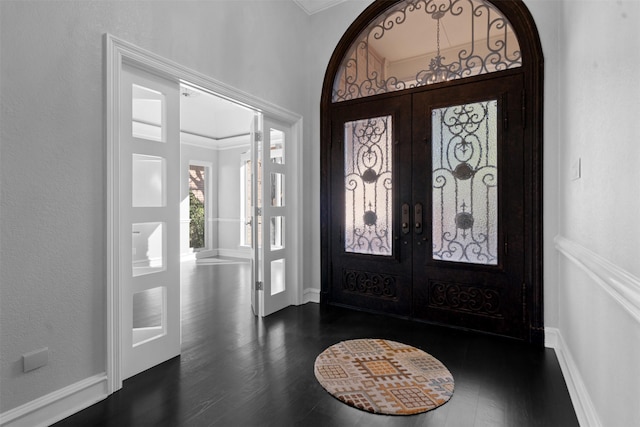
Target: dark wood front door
x,y
427,205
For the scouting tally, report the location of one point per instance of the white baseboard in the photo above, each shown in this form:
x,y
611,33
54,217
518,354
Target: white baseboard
x,y
582,404
551,338
205,253
58,405
311,295
187,256
235,253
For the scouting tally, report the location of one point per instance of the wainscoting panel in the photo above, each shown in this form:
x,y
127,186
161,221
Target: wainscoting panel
x,y
598,335
621,285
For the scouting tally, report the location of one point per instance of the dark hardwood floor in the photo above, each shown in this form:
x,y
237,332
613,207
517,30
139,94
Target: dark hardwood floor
x,y
237,370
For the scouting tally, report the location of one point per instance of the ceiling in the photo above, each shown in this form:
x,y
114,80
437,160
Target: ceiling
x,y
204,115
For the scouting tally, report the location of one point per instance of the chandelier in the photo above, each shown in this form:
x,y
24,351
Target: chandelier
x,y
437,71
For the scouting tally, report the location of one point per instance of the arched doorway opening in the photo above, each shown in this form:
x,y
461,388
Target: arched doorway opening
x,y
431,166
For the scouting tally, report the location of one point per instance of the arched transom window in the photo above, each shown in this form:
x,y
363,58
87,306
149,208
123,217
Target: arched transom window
x,y
420,42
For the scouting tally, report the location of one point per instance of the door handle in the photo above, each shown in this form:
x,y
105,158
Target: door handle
x,y
417,216
405,218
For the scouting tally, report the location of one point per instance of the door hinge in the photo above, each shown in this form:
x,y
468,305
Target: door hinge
x,y
257,136
259,286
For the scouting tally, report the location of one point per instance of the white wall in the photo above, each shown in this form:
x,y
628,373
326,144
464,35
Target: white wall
x,y
52,158
229,221
599,272
326,29
546,14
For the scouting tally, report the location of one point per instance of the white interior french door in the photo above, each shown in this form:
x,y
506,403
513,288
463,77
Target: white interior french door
x,y
135,344
256,215
271,290
149,216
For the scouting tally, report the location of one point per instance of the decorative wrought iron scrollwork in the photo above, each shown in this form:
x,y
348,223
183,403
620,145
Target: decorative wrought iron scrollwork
x,y
465,178
368,180
465,298
492,47
371,284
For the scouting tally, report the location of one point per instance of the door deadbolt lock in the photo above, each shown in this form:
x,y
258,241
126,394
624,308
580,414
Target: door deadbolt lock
x,y
417,214
405,218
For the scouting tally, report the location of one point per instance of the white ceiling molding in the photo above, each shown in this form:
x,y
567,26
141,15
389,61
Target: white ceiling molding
x,y
315,6
215,144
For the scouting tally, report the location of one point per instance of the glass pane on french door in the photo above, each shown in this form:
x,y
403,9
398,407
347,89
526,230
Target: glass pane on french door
x,y
465,183
368,186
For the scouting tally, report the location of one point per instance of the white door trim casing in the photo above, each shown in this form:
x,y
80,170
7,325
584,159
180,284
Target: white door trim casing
x,y
119,52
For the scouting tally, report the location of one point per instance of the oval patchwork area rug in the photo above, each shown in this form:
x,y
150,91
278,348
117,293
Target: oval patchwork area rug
x,y
384,377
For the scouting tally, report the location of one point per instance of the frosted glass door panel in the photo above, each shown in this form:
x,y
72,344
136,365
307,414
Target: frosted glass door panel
x,y
148,114
465,183
147,308
368,192
148,181
148,248
148,315
277,276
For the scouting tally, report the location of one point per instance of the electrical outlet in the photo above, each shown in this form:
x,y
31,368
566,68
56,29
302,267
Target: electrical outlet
x,y
35,359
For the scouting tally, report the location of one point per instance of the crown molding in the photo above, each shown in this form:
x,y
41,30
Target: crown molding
x,y
314,6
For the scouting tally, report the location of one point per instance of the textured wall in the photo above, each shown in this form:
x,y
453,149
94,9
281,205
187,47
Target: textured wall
x,y
600,100
326,29
600,125
546,14
52,157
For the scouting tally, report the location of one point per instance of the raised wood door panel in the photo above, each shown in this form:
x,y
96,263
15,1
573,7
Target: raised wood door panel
x,y
468,172
370,255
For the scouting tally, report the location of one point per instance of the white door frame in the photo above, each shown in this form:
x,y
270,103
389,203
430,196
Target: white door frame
x,y
119,52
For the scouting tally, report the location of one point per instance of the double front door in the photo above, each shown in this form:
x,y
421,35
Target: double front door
x,y
427,206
